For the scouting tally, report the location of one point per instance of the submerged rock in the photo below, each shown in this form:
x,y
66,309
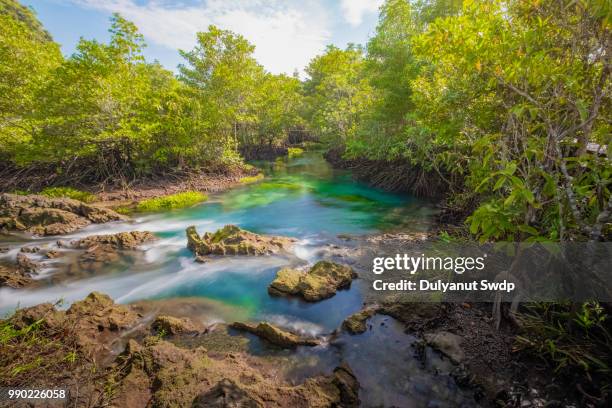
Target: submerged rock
x,y
275,335
20,274
14,277
105,249
29,249
356,323
320,282
347,383
174,325
232,240
121,240
26,265
42,215
415,315
447,343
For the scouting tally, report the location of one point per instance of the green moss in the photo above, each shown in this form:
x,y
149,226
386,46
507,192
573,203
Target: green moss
x,y
294,152
68,192
224,233
124,209
179,200
20,192
251,179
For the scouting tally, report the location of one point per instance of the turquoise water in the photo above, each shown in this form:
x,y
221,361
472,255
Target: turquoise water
x,y
302,198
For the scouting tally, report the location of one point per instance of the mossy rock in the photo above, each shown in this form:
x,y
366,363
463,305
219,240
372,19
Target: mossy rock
x,y
232,240
275,335
356,323
322,281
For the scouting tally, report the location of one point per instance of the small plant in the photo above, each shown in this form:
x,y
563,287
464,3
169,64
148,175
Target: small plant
x,y
179,200
573,339
445,237
68,192
251,179
294,152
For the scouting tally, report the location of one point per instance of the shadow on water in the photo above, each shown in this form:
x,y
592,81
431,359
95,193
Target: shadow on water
x,y
383,359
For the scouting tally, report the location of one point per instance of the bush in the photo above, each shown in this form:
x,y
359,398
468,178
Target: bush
x,y
68,192
294,152
179,200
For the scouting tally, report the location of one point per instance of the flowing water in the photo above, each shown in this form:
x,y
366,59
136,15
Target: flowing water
x,y
302,198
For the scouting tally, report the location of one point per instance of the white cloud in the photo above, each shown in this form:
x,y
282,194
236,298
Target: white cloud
x,y
355,10
286,34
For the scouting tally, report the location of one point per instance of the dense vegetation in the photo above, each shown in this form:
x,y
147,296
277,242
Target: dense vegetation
x,y
106,114
500,100
505,103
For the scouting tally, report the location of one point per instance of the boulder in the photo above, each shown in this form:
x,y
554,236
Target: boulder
x,y
448,344
320,282
356,323
97,319
275,335
232,240
42,215
286,283
174,325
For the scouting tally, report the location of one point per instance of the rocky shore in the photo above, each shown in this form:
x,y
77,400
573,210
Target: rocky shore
x,y
140,364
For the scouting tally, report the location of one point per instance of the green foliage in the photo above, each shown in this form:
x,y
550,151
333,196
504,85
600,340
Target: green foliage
x,y
26,16
499,98
68,192
106,114
335,93
28,58
179,200
294,152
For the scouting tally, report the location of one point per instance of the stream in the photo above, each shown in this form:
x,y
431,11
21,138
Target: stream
x,y
302,198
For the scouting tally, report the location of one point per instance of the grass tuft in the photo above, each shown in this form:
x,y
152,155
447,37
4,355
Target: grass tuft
x,y
251,179
294,152
68,192
169,202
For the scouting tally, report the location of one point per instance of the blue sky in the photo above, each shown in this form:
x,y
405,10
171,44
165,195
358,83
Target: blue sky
x,y
286,33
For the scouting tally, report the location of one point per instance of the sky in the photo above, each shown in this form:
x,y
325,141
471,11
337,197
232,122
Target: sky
x,y
286,33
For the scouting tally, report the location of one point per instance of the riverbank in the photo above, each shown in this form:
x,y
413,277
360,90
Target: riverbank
x,y
450,354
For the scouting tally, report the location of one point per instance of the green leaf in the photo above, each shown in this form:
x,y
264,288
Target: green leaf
x,y
528,229
499,184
